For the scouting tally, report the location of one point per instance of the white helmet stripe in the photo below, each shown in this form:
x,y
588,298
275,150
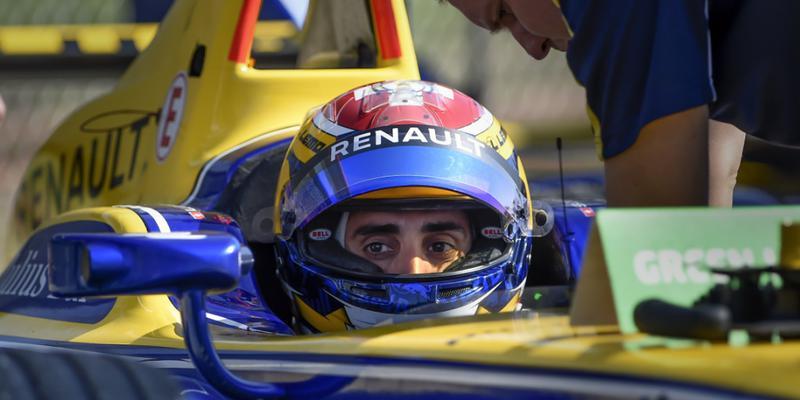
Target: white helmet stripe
x,y
480,125
328,126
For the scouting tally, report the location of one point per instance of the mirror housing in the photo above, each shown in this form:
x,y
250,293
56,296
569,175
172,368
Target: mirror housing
x,y
111,264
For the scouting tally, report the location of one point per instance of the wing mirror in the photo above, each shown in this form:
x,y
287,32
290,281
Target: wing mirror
x,y
110,264
187,265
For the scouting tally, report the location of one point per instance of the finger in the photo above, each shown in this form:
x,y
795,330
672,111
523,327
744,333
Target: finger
x,y
539,17
559,44
536,46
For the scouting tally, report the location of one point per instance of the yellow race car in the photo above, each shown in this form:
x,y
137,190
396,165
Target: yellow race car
x,y
119,245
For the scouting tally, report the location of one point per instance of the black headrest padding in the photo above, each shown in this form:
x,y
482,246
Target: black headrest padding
x,y
548,264
249,197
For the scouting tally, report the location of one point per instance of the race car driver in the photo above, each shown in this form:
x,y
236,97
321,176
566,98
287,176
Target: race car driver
x,y
398,201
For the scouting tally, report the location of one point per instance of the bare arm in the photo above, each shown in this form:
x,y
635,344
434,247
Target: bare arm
x,y
666,166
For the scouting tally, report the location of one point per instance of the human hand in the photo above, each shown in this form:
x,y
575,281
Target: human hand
x,y
537,25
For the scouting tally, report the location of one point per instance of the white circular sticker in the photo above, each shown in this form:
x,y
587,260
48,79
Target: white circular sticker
x,y
320,234
171,115
492,232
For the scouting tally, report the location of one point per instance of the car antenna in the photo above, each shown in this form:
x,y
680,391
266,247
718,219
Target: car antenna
x,y
561,180
563,200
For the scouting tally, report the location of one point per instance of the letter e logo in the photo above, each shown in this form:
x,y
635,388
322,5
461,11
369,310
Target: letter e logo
x,y
171,114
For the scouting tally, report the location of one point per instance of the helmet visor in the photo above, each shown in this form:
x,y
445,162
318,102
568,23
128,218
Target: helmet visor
x,y
406,156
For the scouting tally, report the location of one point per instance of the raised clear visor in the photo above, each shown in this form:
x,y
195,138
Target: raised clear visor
x,y
401,157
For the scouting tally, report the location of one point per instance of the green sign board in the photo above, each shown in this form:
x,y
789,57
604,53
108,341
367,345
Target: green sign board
x,y
639,254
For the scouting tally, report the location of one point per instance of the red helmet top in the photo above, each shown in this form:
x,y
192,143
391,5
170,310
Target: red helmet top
x,y
405,102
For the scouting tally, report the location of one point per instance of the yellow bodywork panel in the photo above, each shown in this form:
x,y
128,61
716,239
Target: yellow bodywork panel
x,y
122,220
141,320
532,340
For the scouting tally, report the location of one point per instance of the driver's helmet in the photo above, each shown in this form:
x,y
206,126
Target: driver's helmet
x,y
400,146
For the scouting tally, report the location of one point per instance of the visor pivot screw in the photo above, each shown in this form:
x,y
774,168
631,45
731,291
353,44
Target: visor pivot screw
x,y
510,232
540,217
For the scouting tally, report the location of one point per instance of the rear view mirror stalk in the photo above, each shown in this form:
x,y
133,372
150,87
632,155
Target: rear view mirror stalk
x,y
205,358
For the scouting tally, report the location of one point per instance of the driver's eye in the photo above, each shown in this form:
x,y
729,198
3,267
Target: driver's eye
x,y
441,247
377,248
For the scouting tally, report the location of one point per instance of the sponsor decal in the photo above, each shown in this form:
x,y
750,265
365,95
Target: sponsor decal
x,y
492,232
171,115
312,143
671,266
27,278
79,175
406,135
223,219
24,284
497,140
197,214
669,254
587,212
320,234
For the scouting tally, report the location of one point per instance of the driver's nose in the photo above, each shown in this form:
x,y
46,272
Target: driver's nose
x,y
421,266
412,263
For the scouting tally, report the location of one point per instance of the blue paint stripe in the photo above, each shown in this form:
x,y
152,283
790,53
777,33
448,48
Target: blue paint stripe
x,y
149,221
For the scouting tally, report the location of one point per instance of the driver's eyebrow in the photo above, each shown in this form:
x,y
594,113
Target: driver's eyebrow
x,y
441,227
372,229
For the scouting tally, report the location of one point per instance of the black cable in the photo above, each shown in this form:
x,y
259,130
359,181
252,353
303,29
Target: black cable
x,y
563,202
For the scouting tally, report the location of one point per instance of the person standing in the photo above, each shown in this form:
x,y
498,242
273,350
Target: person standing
x,y
672,85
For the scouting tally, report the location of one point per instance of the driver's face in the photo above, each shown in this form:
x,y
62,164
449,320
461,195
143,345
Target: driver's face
x,y
409,242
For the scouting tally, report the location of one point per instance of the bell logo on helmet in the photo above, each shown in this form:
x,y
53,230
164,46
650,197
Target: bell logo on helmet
x,y
320,234
492,232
